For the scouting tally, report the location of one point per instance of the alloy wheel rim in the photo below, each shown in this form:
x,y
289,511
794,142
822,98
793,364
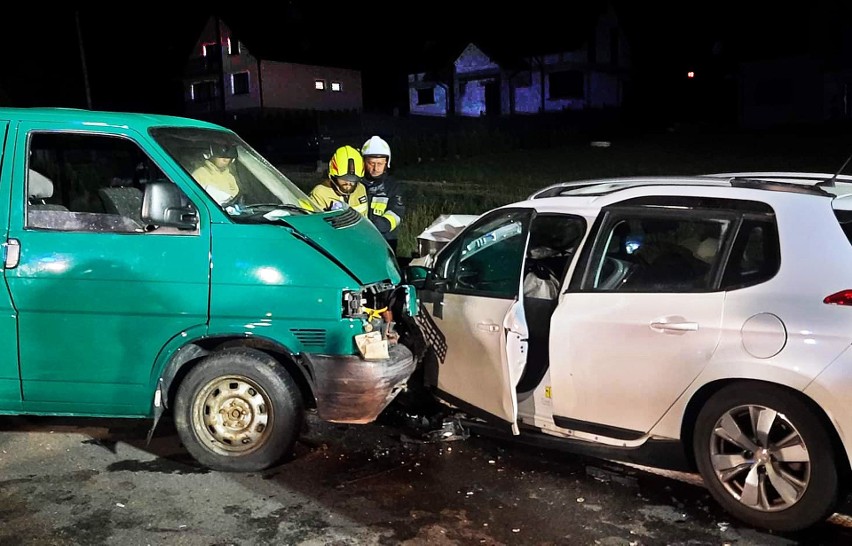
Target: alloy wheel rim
x,y
232,415
760,458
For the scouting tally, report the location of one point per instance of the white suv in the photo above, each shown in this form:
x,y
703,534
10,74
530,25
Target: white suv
x,y
700,323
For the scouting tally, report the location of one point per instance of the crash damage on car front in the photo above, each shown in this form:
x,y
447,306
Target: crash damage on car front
x,y
356,388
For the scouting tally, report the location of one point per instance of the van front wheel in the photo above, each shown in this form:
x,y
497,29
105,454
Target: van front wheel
x,y
238,410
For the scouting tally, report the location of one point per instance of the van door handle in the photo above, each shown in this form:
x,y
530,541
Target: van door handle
x,y
487,326
12,257
674,327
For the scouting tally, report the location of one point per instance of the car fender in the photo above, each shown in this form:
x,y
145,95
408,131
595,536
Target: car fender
x,y
669,426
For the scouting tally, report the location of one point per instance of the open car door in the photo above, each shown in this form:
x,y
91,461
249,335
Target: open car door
x,y
474,320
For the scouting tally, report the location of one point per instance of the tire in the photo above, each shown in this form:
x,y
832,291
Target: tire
x,y
260,397
789,495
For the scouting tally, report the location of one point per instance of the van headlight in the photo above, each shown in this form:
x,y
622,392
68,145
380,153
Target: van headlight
x,y
353,304
370,298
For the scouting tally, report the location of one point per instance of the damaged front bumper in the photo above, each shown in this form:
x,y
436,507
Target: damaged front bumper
x,y
350,389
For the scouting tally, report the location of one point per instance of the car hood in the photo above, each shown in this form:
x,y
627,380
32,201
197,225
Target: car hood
x,y
351,241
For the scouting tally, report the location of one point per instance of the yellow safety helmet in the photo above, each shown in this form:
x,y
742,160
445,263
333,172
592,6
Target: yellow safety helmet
x,y
348,165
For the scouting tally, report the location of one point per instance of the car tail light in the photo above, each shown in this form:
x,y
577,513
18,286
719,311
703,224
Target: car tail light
x,y
844,297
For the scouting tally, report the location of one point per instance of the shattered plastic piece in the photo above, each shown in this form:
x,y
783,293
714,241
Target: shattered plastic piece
x,y
451,430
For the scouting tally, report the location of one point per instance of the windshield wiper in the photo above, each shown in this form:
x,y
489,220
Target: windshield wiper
x,y
263,208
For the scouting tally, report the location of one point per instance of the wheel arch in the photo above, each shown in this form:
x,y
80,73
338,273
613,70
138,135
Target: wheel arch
x,y
702,395
190,354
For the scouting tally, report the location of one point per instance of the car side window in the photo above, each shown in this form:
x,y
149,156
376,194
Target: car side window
x,y
755,255
488,257
553,241
86,182
657,253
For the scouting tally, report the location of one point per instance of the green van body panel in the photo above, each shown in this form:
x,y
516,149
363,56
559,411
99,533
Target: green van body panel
x,y
10,386
91,319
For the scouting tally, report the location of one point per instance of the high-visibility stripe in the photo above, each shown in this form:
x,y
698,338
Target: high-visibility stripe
x,y
393,218
361,208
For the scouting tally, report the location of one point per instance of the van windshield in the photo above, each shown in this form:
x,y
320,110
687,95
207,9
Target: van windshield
x,y
233,174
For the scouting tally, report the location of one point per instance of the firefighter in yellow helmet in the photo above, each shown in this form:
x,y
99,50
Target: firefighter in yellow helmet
x,y
343,185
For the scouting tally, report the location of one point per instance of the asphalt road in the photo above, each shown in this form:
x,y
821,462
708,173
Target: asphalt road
x,y
64,481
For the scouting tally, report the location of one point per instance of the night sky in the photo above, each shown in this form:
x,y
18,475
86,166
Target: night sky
x,y
135,55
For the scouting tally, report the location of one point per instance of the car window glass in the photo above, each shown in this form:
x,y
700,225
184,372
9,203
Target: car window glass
x,y
657,254
552,243
754,256
80,182
233,174
487,259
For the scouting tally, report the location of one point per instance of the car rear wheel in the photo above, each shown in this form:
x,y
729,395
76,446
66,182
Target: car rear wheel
x,y
766,457
238,410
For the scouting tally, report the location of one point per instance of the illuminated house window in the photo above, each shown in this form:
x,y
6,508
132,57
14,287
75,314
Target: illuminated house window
x,y
319,85
426,96
234,47
202,91
567,84
240,83
335,86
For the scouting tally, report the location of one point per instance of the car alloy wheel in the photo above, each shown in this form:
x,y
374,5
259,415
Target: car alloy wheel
x,y
760,458
766,455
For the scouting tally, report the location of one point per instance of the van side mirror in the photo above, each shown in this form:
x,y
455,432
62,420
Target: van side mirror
x,y
164,204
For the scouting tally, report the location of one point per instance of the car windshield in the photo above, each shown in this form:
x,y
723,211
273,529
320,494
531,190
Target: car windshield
x,y
238,178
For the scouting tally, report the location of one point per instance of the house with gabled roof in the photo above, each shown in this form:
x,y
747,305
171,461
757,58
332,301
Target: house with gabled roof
x,y
584,66
234,69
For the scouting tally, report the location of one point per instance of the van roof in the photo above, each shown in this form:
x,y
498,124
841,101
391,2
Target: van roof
x,y
136,120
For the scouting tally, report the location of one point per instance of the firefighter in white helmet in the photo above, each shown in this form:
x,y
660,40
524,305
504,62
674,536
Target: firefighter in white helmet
x,y
386,206
343,185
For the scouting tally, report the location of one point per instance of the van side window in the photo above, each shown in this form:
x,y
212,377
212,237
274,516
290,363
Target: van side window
x,y
85,182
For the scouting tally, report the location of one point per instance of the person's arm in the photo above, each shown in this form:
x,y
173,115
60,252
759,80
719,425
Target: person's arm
x,y
391,219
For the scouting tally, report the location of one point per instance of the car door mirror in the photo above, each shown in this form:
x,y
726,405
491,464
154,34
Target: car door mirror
x,y
165,205
415,275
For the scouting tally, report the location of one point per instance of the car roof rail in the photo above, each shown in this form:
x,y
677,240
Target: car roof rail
x,y
797,182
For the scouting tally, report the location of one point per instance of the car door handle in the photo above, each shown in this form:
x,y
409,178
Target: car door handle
x,y
488,326
13,254
674,327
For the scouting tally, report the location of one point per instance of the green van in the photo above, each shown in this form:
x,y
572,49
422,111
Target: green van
x,y
135,286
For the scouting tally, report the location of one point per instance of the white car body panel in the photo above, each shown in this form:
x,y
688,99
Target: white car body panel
x,y
477,368
635,338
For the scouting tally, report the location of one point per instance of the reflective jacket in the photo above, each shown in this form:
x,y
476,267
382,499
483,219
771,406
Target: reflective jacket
x,y
220,185
329,199
386,204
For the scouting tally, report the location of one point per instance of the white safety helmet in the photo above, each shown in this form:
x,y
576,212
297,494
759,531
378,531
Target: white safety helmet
x,y
376,147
